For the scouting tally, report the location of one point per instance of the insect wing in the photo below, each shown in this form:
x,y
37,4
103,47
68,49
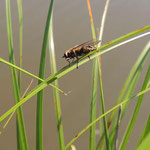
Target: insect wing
x,y
91,42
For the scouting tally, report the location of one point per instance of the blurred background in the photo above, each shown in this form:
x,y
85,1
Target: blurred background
x,y
71,25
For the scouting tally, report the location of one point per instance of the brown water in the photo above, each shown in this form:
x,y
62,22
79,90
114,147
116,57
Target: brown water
x,y
71,27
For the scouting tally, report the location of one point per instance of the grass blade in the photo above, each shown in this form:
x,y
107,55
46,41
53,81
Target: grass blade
x,y
93,106
146,131
100,80
145,143
39,112
103,111
94,87
21,135
134,116
117,128
55,92
19,3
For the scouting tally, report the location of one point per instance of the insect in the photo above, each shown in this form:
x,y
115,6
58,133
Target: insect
x,y
80,50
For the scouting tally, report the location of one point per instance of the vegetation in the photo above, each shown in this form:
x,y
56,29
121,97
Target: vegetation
x,y
109,133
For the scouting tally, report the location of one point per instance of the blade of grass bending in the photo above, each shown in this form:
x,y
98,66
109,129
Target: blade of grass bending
x,y
55,92
135,114
39,111
19,3
146,131
100,80
106,113
30,74
130,82
21,133
57,75
92,131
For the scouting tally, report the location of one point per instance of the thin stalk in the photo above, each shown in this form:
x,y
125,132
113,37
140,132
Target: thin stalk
x,y
55,92
103,111
100,78
103,22
93,106
117,128
91,19
19,3
94,87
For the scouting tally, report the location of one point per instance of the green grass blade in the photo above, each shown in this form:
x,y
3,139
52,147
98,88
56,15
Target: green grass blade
x,y
145,143
92,131
100,82
93,105
55,92
135,114
39,112
146,131
115,145
19,3
21,138
103,110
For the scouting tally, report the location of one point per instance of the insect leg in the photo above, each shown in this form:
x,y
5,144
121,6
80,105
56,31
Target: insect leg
x,y
77,61
68,61
73,59
89,57
76,57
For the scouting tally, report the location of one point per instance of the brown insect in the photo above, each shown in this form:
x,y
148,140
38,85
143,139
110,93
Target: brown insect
x,y
80,50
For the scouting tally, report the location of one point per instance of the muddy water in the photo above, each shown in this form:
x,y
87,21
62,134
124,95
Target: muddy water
x,y
72,26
